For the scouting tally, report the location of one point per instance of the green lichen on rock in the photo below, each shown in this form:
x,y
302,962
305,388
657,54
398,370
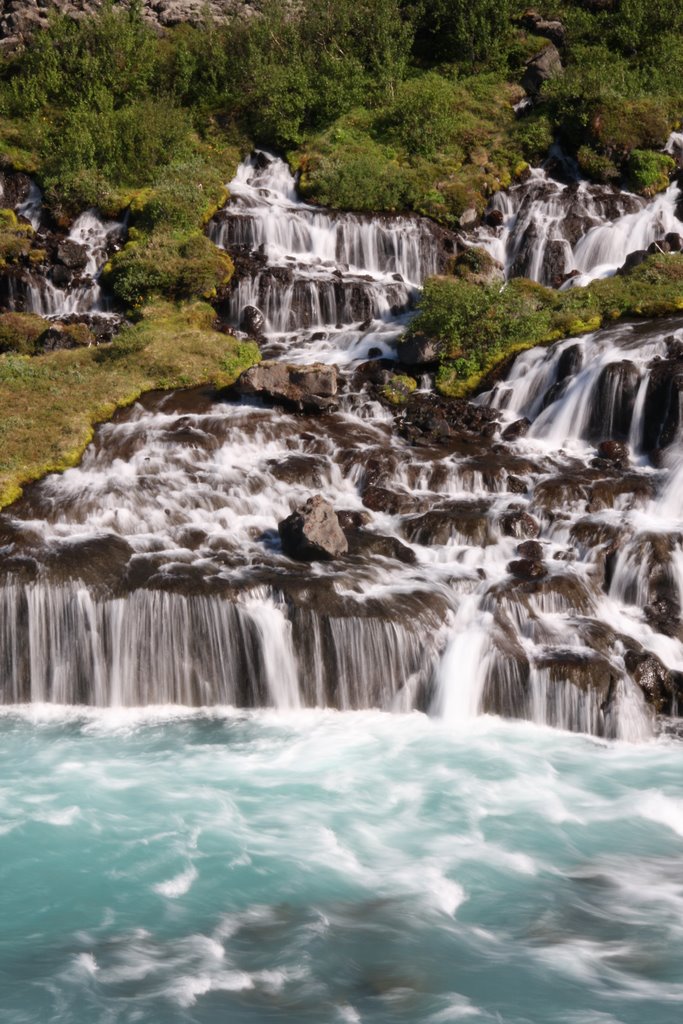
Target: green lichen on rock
x,y
648,172
399,389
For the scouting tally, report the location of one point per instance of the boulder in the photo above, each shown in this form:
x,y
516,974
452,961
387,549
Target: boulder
x,y
304,388
253,322
551,29
634,259
544,65
72,254
527,569
518,523
614,451
517,429
417,350
312,532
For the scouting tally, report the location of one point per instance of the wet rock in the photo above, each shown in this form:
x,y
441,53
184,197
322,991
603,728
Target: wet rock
x,y
464,522
72,254
429,417
527,569
312,532
544,65
613,401
634,259
664,615
518,523
305,388
516,484
570,362
494,218
614,451
557,260
392,502
532,549
253,322
662,411
99,560
661,687
517,429
674,241
418,350
365,542
353,519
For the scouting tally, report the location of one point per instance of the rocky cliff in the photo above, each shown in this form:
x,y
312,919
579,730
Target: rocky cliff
x,y
19,18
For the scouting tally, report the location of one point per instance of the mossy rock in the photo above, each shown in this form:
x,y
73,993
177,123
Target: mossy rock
x,y
399,389
19,332
648,172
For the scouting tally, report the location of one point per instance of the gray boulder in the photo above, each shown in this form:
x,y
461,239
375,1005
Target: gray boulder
x,y
312,533
544,65
310,388
72,254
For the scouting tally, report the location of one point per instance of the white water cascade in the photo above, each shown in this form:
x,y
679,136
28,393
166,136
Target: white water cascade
x,y
328,286
526,571
571,233
96,235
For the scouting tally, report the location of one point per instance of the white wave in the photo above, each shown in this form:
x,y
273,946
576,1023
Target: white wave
x,y
178,885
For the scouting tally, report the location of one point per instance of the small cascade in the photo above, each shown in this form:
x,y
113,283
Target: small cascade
x,y
95,238
326,285
570,233
69,285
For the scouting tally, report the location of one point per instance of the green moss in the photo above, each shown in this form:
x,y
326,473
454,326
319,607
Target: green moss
x,y
478,328
19,332
49,403
398,389
648,172
596,165
180,266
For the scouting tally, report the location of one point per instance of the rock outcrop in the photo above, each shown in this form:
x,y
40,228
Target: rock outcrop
x,y
312,532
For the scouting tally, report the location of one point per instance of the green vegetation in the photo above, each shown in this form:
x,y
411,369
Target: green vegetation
x,y
398,389
478,328
383,104
53,401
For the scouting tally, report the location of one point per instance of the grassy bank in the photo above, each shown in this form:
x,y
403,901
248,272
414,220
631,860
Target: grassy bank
x,y
49,404
477,328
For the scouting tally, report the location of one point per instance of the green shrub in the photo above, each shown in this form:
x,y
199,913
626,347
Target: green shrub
x,y
648,172
162,264
19,332
596,166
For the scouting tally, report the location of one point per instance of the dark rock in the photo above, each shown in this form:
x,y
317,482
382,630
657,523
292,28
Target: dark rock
x,y
61,276
517,429
382,499
634,259
570,362
532,549
614,451
660,686
674,241
353,519
494,218
312,532
527,569
305,388
557,259
613,401
544,65
72,254
465,522
417,350
518,523
516,484
365,542
553,29
253,321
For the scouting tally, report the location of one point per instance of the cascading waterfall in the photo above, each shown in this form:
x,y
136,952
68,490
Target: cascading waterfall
x,y
532,578
34,291
570,233
334,285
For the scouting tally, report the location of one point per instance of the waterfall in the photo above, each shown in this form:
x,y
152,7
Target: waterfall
x,y
570,233
337,285
34,291
540,578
